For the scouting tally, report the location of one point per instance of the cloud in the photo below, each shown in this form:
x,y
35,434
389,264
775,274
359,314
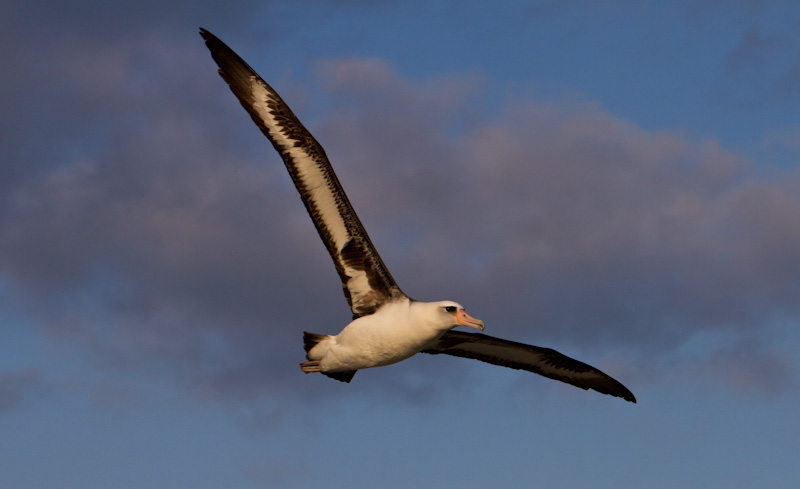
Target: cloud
x,y
785,138
18,385
149,223
605,229
751,368
765,63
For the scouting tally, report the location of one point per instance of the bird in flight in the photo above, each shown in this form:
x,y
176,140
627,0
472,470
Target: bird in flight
x,y
388,326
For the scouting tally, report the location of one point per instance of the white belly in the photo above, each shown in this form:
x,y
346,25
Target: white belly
x,y
389,336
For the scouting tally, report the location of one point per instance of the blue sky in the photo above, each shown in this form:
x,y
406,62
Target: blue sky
x,y
618,181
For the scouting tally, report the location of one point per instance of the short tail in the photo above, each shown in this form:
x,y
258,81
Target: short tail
x,y
310,340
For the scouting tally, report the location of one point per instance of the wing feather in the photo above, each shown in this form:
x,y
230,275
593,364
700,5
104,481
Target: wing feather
x,y
366,281
542,361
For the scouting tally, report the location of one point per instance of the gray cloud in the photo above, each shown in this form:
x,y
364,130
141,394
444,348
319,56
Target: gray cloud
x,y
752,368
597,220
18,385
763,68
158,231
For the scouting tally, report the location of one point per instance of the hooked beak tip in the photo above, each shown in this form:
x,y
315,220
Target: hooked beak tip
x,y
465,319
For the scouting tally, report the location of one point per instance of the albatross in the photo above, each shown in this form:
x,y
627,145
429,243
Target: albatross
x,y
388,326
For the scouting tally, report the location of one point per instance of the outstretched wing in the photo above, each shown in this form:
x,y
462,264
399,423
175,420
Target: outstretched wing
x,y
366,281
542,361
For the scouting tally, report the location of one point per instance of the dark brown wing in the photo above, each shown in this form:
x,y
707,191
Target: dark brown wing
x,y
366,281
542,361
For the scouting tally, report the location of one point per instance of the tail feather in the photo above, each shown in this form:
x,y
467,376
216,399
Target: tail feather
x,y
345,376
310,340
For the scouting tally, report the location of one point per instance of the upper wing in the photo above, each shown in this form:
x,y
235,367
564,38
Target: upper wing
x,y
366,281
542,361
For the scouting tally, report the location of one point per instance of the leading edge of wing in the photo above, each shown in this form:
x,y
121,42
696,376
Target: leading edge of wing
x,y
366,281
542,361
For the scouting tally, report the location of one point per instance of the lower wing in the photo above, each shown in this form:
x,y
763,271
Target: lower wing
x,y
542,361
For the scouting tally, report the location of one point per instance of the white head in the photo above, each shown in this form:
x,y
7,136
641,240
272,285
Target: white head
x,y
449,314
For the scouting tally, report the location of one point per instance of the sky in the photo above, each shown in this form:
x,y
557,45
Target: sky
x,y
619,181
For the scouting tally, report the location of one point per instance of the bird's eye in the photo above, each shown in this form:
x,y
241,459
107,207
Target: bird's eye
x,y
450,308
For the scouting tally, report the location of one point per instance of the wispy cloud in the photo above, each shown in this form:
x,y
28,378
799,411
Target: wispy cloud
x,y
17,386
